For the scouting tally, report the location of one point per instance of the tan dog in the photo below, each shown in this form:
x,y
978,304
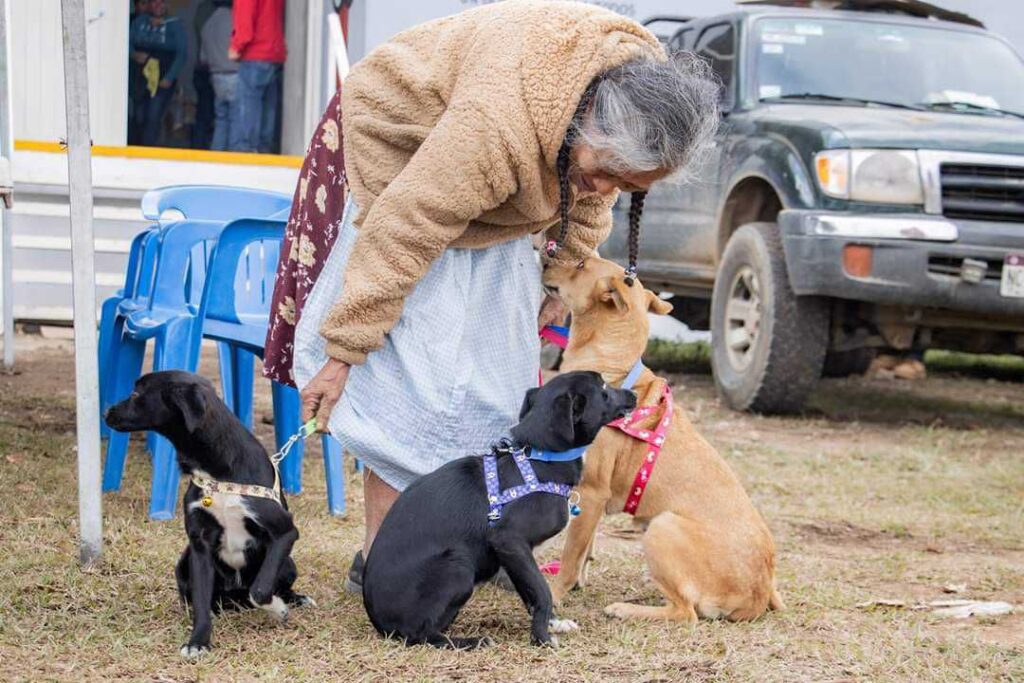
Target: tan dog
x,y
707,547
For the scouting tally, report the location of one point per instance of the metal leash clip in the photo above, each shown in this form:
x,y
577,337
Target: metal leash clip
x,y
305,431
574,504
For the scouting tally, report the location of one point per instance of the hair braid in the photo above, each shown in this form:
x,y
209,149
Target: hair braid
x,y
562,167
636,208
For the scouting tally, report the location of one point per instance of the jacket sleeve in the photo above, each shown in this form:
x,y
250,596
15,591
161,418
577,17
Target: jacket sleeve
x,y
133,34
462,169
243,17
180,51
590,222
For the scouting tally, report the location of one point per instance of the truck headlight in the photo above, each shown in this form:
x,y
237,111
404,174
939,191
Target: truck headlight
x,y
883,176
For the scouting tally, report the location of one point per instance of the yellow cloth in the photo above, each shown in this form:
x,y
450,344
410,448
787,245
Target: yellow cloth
x,y
151,70
451,132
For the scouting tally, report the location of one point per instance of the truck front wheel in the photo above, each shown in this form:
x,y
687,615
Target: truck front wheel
x,y
768,344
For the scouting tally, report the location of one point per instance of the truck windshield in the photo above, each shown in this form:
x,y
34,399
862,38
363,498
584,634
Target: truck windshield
x,y
871,63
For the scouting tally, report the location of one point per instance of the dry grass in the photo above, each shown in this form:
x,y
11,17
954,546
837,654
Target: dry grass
x,y
882,491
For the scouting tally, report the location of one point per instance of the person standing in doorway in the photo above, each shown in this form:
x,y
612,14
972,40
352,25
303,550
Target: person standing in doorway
x,y
137,95
158,46
214,41
258,44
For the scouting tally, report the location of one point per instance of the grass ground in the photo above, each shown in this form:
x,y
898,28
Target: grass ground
x,y
882,490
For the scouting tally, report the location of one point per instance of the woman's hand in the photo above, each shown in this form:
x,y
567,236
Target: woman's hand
x,y
323,392
552,312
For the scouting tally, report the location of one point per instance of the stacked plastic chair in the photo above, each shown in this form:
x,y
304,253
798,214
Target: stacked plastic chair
x,y
169,277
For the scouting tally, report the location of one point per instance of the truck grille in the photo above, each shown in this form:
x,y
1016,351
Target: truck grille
x,y
988,193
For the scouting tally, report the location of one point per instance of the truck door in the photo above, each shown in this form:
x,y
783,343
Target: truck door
x,y
679,219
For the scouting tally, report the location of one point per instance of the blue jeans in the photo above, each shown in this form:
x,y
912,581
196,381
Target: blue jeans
x,y
225,87
255,109
153,116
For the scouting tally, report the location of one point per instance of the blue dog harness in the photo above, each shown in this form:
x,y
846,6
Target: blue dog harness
x,y
498,498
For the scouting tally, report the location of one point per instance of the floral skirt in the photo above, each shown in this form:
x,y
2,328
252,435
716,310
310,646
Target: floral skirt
x,y
313,225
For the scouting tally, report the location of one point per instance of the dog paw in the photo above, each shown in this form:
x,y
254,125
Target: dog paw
x,y
619,610
548,640
305,601
562,625
260,597
193,651
276,606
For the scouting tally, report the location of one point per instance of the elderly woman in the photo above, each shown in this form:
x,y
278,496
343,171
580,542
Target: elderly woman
x,y
462,138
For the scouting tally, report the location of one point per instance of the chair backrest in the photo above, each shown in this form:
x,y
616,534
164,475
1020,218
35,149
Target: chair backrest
x,y
240,282
136,252
213,202
181,265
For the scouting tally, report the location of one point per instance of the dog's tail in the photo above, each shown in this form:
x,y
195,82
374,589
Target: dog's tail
x,y
454,643
775,601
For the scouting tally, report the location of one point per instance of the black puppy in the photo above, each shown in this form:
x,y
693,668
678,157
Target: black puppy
x,y
239,545
437,542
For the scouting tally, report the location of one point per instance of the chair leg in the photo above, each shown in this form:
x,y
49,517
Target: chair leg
x,y
226,361
164,488
244,366
129,353
107,360
286,423
171,353
335,475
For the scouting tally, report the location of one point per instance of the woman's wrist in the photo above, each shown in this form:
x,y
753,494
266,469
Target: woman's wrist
x,y
334,367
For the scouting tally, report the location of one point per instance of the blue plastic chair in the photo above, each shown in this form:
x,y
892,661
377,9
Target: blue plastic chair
x,y
165,315
214,202
110,320
201,202
235,311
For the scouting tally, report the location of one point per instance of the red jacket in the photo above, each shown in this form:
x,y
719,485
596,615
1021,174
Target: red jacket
x,y
259,30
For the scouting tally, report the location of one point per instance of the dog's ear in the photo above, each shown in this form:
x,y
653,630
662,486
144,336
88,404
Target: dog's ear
x,y
563,419
191,403
527,402
655,304
613,290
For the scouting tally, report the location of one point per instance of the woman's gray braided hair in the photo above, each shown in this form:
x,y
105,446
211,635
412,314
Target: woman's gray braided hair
x,y
643,116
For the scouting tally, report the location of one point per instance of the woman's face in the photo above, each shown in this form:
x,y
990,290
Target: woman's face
x,y
158,8
588,175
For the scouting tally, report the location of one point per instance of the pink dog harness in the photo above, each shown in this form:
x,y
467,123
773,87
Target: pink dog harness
x,y
655,438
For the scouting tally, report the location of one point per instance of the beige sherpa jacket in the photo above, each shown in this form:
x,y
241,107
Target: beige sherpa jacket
x,y
451,132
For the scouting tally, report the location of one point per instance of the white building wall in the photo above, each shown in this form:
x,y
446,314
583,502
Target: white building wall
x,y
37,70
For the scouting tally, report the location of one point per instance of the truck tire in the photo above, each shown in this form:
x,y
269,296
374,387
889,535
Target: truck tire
x,y
768,344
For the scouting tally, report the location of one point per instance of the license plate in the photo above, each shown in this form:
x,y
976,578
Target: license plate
x,y
1012,284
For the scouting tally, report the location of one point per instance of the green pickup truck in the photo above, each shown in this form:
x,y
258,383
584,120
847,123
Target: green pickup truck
x,y
865,191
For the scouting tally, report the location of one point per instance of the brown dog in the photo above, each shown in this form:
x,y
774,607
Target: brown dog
x,y
707,547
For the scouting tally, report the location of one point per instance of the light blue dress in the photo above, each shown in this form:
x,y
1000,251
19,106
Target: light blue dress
x,y
452,373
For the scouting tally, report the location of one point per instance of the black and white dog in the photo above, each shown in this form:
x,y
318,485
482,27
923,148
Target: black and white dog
x,y
240,533
444,534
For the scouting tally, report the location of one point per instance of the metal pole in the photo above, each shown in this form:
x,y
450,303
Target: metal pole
x,y
76,99
7,243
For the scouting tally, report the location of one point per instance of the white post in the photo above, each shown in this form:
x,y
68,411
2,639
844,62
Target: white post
x,y
76,99
6,243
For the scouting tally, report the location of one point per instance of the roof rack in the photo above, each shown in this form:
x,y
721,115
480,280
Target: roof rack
x,y
914,8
